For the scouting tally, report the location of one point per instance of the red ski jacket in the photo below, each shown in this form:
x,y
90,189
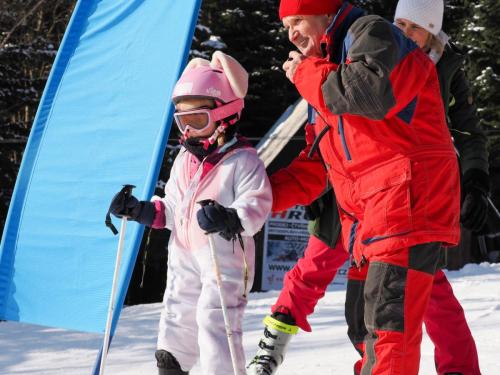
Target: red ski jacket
x,y
379,121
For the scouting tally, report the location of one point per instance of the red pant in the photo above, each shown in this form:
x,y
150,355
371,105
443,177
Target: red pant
x,y
455,349
306,283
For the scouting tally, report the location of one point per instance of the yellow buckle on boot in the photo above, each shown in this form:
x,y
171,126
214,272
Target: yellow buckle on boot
x,y
270,322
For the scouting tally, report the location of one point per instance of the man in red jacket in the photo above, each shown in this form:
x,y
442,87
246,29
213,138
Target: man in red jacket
x,y
379,126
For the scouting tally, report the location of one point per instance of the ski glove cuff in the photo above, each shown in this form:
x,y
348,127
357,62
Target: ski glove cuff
x,y
214,218
473,213
474,210
127,205
476,179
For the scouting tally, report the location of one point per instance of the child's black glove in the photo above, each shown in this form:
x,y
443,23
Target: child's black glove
x,y
214,218
124,204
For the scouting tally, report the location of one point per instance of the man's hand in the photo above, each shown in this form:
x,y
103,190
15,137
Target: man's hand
x,y
290,65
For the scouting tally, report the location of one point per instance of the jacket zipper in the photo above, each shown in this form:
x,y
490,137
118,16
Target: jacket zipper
x,y
342,138
185,221
340,127
352,236
352,232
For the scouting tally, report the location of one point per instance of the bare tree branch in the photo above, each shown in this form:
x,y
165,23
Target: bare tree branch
x,y
20,22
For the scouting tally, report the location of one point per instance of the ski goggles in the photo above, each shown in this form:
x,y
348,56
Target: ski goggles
x,y
200,119
197,120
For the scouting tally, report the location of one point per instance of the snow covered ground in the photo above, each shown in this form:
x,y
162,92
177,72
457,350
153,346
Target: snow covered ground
x,y
27,349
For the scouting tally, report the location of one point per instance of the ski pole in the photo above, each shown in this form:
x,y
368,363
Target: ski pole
x,y
112,296
494,208
227,323
127,190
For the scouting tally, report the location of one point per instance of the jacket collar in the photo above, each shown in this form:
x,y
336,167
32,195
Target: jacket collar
x,y
332,41
215,157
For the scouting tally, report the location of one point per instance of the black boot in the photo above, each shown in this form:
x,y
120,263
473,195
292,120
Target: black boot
x,y
167,364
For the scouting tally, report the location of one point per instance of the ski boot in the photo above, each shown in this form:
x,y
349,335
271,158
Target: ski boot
x,y
167,364
278,331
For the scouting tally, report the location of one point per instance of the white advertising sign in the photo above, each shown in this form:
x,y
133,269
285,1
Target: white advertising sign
x,y
285,240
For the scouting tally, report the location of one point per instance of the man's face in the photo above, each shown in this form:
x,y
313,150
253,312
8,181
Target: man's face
x,y
305,32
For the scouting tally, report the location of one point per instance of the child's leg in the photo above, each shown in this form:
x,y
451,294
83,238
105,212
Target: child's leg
x,y
303,287
446,325
178,333
215,358
305,284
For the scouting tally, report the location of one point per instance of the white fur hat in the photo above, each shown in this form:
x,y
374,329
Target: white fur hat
x,y
425,13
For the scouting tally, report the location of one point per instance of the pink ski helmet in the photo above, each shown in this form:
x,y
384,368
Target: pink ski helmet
x,y
222,79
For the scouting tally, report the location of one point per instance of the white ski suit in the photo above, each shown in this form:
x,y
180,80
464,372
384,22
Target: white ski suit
x,y
192,324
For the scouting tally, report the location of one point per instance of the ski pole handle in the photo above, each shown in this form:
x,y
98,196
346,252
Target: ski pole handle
x,y
126,191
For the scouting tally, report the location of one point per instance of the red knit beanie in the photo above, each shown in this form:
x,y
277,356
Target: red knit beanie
x,y
308,7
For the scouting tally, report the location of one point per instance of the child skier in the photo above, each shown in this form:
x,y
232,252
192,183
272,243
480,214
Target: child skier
x,y
219,169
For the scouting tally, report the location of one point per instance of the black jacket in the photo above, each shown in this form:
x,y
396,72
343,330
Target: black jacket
x,y
460,110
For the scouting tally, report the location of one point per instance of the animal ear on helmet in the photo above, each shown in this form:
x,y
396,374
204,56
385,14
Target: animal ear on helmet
x,y
235,73
196,62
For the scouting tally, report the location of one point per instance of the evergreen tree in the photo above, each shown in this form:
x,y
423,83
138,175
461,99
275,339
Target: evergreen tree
x,y
456,13
480,34
29,37
385,9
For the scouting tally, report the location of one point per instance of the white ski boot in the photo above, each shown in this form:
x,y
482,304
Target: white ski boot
x,y
278,332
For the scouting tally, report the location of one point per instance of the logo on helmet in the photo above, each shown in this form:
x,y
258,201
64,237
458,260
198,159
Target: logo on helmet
x,y
183,88
213,92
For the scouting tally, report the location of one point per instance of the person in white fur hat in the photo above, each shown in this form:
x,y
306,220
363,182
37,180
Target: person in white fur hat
x,y
217,185
421,21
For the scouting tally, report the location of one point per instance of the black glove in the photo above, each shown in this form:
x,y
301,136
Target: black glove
x,y
473,213
213,218
125,204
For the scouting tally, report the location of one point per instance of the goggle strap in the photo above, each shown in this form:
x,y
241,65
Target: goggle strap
x,y
220,129
228,113
227,110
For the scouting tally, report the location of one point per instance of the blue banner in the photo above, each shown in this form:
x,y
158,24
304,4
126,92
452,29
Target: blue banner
x,y
103,121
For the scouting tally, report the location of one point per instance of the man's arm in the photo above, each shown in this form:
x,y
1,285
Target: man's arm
x,y
383,72
302,181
